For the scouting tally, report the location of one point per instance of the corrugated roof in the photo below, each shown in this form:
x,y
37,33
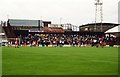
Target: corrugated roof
x,y
19,22
114,30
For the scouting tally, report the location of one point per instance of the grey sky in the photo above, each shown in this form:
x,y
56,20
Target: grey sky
x,y
76,12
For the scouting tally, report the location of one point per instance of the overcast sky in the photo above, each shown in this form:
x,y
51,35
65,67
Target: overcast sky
x,y
76,12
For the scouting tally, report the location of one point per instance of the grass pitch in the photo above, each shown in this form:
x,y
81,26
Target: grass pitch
x,y
60,61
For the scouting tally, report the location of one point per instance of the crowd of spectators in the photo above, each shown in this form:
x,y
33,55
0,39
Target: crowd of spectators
x,y
62,39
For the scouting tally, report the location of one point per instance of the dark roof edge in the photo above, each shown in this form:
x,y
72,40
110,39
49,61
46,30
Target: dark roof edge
x,y
100,23
29,19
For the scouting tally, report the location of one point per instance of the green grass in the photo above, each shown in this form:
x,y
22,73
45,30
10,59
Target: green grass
x,y
60,61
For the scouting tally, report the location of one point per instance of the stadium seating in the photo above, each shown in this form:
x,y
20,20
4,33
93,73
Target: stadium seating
x,y
9,32
54,30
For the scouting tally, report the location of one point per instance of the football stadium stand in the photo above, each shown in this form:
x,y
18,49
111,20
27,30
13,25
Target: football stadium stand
x,y
28,31
97,27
